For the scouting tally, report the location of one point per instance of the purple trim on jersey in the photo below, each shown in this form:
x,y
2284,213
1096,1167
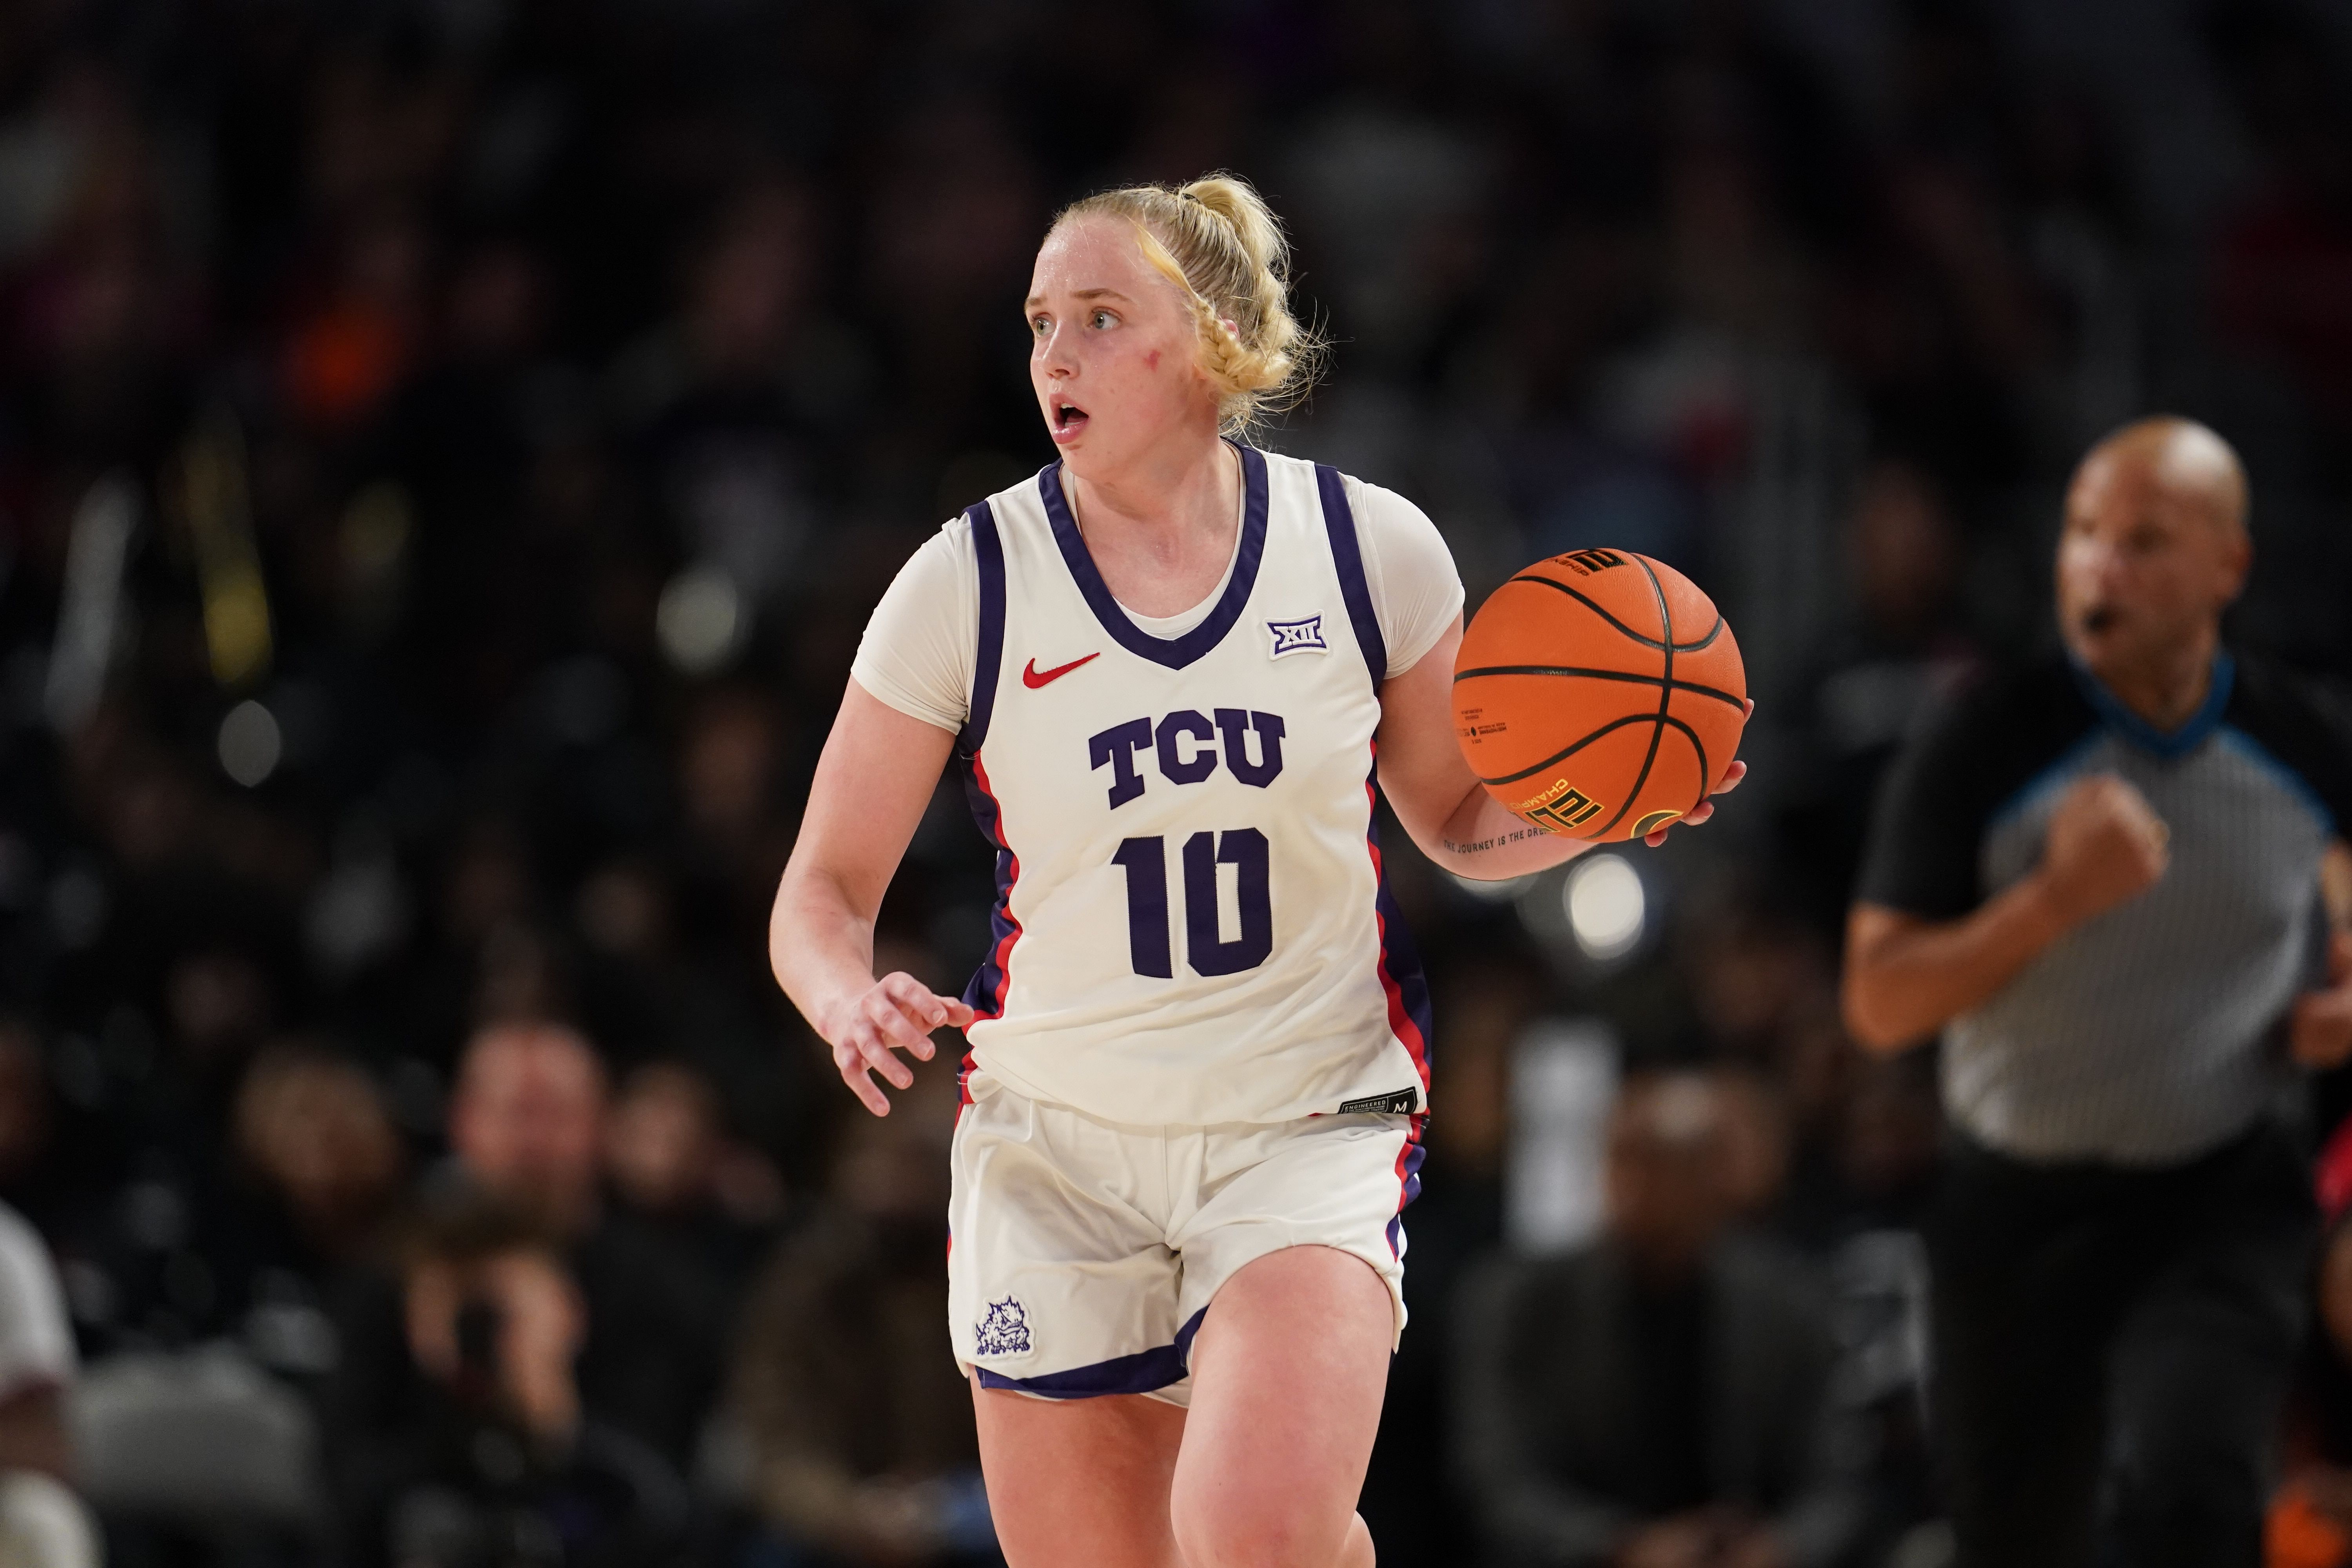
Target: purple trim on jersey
x,y
985,994
1173,652
988,549
1137,1373
1401,964
1348,555
1409,1160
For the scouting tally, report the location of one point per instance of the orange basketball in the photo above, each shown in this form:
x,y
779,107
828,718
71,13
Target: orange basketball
x,y
1600,694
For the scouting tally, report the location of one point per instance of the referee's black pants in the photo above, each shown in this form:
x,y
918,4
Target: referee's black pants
x,y
2112,1348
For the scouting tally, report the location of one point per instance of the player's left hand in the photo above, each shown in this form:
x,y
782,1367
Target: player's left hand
x,y
2319,1029
1705,808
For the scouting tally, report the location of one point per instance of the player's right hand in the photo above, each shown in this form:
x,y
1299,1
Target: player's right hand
x,y
2105,846
897,1013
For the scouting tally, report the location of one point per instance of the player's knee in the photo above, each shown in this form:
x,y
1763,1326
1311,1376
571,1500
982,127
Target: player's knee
x,y
1265,1532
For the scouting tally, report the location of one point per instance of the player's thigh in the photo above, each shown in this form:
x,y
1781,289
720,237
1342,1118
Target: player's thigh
x,y
1289,1370
1080,1483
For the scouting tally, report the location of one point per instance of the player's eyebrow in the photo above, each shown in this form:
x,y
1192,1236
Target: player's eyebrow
x,y
1036,300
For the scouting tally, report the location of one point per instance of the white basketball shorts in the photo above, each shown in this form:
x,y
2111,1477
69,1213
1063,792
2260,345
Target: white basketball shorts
x,y
1082,1253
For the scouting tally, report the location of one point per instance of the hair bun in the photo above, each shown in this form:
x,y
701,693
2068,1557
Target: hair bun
x,y
1235,270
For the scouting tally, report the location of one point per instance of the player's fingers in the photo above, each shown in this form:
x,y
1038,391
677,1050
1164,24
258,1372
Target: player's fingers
x,y
863,1087
875,1048
1690,818
910,996
1731,777
894,1073
960,1013
902,1033
923,1009
898,1016
851,1064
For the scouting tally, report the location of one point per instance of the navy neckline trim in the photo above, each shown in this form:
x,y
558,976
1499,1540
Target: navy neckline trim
x,y
2169,744
1173,652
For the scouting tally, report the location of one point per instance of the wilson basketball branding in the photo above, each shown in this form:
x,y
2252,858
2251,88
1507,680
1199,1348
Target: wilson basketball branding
x,y
1585,562
1559,808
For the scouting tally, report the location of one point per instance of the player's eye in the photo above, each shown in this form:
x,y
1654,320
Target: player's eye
x,y
1038,326
1102,318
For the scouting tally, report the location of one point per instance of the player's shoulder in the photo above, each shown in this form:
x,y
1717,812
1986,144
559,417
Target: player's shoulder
x,y
1379,505
1392,526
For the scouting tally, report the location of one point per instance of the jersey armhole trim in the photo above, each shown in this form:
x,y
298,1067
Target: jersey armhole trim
x,y
1348,555
988,553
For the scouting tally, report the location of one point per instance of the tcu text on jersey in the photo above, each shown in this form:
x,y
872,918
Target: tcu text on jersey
x,y
1189,924
1185,743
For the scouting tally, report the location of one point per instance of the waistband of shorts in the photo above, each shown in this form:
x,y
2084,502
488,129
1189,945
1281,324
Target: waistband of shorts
x,y
979,1083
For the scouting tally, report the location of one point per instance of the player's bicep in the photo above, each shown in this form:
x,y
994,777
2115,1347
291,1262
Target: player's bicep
x,y
873,783
1422,770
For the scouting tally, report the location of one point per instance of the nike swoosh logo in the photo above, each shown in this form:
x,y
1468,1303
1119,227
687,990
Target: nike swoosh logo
x,y
1033,678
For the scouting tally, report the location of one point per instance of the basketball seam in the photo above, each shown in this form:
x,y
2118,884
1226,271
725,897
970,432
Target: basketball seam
x,y
1614,724
1696,745
1596,609
1658,719
1690,686
1708,641
1713,632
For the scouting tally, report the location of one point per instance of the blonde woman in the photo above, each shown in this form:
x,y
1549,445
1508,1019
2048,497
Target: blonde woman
x,y
1199,1066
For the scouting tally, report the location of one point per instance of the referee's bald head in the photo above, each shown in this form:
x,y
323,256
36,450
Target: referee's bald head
x,y
2154,548
2186,463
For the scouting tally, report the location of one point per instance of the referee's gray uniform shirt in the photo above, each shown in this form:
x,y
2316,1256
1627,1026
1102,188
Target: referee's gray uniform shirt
x,y
2147,1036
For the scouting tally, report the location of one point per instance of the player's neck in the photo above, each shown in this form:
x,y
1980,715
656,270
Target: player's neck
x,y
1157,525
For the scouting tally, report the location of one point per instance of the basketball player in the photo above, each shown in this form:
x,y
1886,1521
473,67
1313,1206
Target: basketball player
x,y
1198,1071
2098,875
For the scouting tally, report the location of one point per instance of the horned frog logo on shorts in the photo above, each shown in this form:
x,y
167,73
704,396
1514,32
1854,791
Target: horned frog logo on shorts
x,y
1004,1329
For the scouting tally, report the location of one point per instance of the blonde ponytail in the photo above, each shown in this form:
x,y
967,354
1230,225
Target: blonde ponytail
x,y
1216,239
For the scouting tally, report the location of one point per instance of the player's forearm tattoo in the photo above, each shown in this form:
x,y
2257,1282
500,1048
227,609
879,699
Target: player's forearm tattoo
x,y
1496,842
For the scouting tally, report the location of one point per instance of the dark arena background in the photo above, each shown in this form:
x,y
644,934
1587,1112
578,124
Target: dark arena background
x,y
448,451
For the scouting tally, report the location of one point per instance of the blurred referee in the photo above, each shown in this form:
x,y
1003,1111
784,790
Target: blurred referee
x,y
2098,875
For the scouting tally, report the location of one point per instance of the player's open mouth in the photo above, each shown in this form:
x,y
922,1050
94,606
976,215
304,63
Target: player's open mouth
x,y
1068,420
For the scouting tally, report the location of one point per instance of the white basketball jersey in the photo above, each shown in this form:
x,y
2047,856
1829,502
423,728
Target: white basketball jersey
x,y
1190,923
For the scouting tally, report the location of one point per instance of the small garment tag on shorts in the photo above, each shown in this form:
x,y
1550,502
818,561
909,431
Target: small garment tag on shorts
x,y
1401,1102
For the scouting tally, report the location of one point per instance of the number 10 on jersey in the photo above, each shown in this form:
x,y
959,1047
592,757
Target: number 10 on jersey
x,y
1145,860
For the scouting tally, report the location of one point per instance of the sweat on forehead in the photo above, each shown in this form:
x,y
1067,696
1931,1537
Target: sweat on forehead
x,y
2182,457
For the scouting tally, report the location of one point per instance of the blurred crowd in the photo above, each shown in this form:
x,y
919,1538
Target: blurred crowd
x,y
448,449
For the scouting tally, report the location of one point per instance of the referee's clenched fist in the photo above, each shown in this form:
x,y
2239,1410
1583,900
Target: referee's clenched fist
x,y
2097,876
2105,844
